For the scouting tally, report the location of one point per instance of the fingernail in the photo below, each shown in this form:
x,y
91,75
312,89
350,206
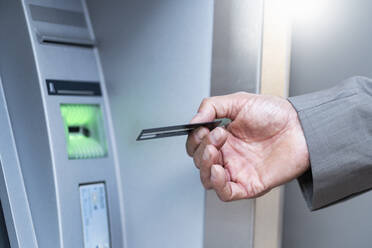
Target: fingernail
x,y
206,155
216,135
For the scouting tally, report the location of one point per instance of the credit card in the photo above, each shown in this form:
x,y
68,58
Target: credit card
x,y
164,132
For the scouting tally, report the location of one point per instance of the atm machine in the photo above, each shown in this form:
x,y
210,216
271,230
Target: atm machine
x,y
59,183
63,182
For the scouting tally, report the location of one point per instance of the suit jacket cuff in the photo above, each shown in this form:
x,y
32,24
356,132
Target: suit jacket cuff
x,y
338,139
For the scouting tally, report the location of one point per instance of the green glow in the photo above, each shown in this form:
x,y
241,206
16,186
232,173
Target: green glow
x,y
84,130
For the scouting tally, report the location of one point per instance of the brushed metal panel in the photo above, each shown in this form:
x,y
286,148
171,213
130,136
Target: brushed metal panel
x,y
156,60
236,66
328,46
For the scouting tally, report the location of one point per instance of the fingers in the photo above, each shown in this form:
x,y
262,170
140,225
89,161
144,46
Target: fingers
x,y
216,138
211,108
225,189
196,137
209,156
227,106
194,140
208,153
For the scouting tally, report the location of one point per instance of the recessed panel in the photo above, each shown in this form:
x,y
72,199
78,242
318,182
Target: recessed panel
x,y
85,136
94,216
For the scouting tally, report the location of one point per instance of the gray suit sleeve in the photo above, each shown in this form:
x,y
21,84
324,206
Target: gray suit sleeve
x,y
337,124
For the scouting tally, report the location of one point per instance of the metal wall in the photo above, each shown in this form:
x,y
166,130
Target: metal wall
x,y
331,43
236,64
156,58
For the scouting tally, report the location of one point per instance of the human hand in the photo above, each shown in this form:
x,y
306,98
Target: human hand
x,y
263,147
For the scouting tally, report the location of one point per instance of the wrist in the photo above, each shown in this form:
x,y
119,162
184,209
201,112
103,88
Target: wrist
x,y
301,151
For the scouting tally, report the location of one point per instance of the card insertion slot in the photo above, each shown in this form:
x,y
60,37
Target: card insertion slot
x,y
72,88
48,39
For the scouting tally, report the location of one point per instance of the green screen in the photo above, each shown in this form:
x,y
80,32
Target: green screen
x,y
84,130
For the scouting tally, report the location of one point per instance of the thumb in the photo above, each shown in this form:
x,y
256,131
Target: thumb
x,y
227,106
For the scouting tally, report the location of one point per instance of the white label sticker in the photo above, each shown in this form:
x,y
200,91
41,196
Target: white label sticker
x,y
94,215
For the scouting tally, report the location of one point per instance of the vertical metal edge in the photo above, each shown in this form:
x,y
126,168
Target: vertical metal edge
x,y
274,200
259,66
258,90
210,93
111,130
47,122
15,203
6,208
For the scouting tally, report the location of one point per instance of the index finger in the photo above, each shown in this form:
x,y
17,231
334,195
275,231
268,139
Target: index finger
x,y
194,139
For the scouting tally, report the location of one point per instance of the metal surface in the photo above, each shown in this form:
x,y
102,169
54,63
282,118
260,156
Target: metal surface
x,y
156,60
60,22
329,45
19,229
57,16
51,179
236,64
237,43
25,106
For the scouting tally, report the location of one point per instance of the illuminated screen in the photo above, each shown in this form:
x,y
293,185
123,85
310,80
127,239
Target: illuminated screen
x,y
84,131
94,216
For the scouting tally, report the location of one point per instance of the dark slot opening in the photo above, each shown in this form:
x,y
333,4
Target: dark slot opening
x,y
73,88
4,238
77,129
67,43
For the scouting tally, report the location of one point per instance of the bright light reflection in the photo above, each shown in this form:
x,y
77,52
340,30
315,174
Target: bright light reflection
x,y
304,11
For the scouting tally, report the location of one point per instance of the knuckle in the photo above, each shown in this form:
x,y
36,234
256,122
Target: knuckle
x,y
204,184
198,156
190,146
219,130
218,136
195,135
202,178
205,101
208,152
241,93
196,162
198,136
188,149
223,198
205,181
189,152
